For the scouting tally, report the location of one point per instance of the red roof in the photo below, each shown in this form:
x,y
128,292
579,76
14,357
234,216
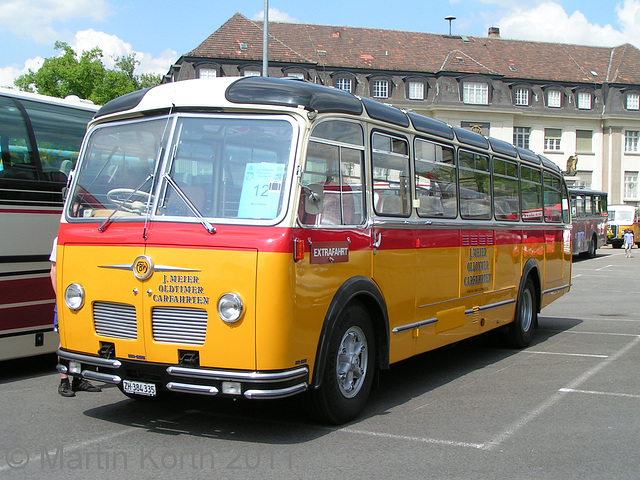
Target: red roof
x,y
337,48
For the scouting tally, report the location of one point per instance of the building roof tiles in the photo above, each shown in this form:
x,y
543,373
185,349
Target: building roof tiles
x,y
340,47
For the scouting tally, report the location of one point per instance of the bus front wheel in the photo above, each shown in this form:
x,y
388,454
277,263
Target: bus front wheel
x,y
520,332
348,373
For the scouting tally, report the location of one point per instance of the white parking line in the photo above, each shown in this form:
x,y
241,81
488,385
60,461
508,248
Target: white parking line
x,y
592,392
453,443
522,422
568,354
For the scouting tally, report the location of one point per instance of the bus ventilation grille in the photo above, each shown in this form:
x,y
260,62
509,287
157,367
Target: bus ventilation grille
x,y
115,320
182,325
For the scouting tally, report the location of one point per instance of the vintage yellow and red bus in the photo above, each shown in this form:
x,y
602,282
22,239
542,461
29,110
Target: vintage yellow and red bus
x,y
40,137
589,220
622,218
260,237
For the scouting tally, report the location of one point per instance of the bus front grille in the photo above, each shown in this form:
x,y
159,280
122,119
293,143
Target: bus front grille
x,y
182,325
115,320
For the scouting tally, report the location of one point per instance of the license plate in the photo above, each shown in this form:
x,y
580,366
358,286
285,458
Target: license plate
x,y
139,388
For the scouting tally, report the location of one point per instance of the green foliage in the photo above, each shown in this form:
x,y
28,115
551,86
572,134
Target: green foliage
x,y
85,76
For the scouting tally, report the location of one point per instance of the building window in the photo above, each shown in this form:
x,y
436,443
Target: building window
x,y
584,100
633,101
251,73
554,98
631,141
299,76
343,84
552,139
207,73
630,184
583,141
475,93
416,91
380,89
521,136
522,96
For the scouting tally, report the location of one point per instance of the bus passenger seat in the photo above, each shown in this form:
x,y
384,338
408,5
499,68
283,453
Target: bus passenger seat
x,y
389,205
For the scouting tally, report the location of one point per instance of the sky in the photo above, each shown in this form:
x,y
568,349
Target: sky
x,y
158,32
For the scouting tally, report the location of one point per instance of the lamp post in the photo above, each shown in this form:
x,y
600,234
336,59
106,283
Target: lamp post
x,y
265,40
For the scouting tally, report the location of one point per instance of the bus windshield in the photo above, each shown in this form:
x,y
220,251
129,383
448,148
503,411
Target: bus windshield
x,y
225,168
621,216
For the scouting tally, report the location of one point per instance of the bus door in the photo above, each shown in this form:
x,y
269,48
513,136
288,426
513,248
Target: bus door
x,y
394,242
437,243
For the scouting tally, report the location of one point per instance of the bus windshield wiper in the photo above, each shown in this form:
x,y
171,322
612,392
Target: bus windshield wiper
x,y
207,226
121,203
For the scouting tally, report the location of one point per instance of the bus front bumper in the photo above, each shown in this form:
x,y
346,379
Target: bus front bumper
x,y
186,379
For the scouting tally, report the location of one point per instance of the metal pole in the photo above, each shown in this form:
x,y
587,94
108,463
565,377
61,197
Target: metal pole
x,y
265,40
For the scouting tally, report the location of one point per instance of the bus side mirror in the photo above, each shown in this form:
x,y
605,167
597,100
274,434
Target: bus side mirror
x,y
312,198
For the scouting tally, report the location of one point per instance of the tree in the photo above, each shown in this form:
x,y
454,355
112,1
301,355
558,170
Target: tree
x,y
85,76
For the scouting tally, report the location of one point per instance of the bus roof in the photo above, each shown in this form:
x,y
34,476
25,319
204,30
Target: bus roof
x,y
70,101
230,92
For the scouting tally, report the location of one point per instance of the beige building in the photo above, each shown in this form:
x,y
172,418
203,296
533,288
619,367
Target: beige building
x,y
556,99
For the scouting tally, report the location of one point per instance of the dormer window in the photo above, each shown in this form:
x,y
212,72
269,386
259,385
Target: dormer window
x,y
521,96
584,100
344,84
346,81
554,98
633,101
380,89
415,90
475,93
207,73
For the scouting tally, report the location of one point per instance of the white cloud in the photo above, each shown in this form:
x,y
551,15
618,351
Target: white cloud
x,y
276,15
10,73
33,19
111,46
549,22
629,19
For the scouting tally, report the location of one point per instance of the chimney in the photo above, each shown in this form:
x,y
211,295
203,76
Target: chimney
x,y
494,32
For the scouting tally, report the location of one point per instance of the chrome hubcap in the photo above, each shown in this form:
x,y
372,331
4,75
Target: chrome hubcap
x,y
352,362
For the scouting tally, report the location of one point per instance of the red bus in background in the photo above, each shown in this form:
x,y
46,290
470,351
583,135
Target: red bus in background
x,y
40,139
589,219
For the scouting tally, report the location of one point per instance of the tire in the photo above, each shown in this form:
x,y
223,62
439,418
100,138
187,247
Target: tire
x,y
349,368
520,331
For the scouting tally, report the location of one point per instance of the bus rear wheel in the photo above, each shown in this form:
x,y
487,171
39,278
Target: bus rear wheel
x,y
520,332
349,368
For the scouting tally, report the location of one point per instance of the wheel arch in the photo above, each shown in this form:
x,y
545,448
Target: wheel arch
x,y
364,290
531,270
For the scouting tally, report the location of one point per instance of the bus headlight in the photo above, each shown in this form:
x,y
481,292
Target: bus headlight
x,y
74,296
230,307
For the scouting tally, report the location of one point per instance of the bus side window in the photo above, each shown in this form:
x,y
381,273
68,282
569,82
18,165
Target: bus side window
x,y
475,184
16,153
531,188
391,187
435,180
337,170
505,190
552,198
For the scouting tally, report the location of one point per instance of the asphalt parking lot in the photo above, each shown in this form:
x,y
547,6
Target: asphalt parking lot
x,y
566,407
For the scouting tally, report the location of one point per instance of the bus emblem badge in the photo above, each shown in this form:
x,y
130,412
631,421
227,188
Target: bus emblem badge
x,y
143,267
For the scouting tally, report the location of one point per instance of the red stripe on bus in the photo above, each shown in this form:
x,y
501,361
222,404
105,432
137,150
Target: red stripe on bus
x,y
16,210
280,239
27,316
25,290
